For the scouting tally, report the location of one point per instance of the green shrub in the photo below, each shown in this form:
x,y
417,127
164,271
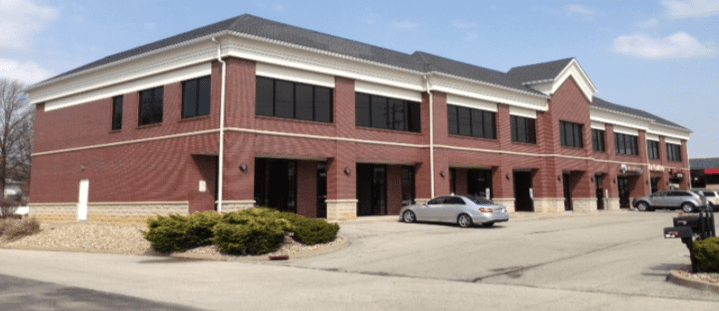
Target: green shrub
x,y
244,234
315,231
15,229
707,253
180,233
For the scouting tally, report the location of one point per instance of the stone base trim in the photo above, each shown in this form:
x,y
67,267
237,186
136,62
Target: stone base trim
x,y
506,202
584,205
135,213
549,205
612,204
239,205
341,209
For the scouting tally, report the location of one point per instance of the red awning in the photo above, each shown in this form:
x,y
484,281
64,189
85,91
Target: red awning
x,y
711,171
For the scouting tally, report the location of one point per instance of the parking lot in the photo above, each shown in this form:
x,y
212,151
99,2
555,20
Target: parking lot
x,y
620,252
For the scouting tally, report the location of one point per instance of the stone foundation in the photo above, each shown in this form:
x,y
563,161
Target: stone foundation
x,y
341,209
53,212
234,206
508,203
125,213
612,204
584,205
549,205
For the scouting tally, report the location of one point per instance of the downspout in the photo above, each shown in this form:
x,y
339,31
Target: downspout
x,y
221,157
431,138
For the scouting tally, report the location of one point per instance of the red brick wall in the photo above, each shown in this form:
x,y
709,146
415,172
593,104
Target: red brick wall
x,y
307,188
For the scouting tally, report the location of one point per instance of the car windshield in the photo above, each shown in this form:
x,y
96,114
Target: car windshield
x,y
709,193
480,201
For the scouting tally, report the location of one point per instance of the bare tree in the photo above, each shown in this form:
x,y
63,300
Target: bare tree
x,y
16,131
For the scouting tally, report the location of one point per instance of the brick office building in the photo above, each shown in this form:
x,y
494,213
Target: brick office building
x,y
250,112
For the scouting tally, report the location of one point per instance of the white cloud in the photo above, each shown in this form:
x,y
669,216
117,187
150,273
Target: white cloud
x,y
678,45
463,25
586,13
650,23
405,25
27,72
20,20
691,8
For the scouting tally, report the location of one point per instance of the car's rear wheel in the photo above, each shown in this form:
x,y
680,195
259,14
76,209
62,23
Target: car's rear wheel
x,y
409,217
687,207
464,221
642,206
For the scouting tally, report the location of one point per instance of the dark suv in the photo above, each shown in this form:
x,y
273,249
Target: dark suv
x,y
672,199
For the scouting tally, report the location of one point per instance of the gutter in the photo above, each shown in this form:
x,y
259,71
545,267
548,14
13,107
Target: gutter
x,y
431,137
221,157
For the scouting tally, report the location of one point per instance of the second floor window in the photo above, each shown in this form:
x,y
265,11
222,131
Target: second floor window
x,y
674,152
598,140
471,122
571,134
524,130
151,106
626,144
196,97
285,99
117,112
387,113
653,149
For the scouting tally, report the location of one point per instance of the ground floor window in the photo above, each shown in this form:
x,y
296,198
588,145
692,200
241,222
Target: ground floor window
x,y
371,189
276,184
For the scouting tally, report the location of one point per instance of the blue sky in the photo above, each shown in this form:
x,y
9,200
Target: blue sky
x,y
659,56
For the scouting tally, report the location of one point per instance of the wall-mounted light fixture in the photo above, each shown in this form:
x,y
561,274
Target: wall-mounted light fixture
x,y
559,177
82,167
243,167
507,176
591,179
348,171
442,173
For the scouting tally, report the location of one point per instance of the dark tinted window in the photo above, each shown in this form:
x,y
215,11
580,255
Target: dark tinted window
x,y
470,122
117,112
480,201
439,200
196,97
465,121
571,134
523,130
477,123
653,149
598,140
674,152
387,113
626,144
287,99
452,119
454,201
150,111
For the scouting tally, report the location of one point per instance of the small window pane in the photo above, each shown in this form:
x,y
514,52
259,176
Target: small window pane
x,y
522,129
397,114
490,128
189,99
531,131
362,110
265,96
464,121
203,101
452,119
477,123
117,112
284,99
379,112
303,102
323,104
415,123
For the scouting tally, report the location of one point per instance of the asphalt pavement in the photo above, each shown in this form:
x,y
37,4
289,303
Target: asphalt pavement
x,y
599,261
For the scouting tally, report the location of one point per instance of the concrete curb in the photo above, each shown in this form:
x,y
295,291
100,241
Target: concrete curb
x,y
304,254
678,279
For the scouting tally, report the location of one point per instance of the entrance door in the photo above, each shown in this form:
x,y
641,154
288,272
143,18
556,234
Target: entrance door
x,y
371,189
623,185
407,185
599,180
567,192
322,190
479,183
276,184
522,189
82,199
655,184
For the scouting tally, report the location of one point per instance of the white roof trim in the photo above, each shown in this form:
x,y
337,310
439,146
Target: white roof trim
x,y
522,112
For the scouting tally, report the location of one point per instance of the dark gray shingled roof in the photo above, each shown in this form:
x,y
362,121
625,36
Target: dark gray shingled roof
x,y
704,163
603,104
539,72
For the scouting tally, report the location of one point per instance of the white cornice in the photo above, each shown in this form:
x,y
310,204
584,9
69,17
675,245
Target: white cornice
x,y
574,70
636,122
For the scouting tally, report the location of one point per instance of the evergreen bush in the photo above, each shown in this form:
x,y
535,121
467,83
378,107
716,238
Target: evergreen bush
x,y
315,231
707,253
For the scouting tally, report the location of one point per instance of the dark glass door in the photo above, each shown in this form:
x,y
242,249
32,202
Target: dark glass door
x,y
371,189
522,188
623,185
567,192
407,185
599,180
655,184
322,190
276,184
479,183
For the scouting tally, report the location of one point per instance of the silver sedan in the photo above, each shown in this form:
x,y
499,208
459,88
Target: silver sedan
x,y
465,211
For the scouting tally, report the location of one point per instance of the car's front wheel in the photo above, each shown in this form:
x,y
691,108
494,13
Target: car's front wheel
x,y
642,206
464,221
687,207
409,217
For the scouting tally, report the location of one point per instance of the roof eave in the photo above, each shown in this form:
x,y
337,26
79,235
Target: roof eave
x,y
643,118
543,96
